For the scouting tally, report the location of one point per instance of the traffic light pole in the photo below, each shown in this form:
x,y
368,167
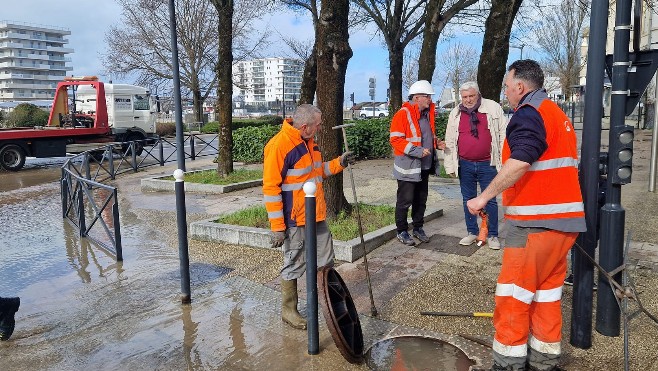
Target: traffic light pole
x,y
613,214
583,270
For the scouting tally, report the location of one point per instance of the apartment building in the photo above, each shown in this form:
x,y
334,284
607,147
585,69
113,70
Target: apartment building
x,y
33,58
268,83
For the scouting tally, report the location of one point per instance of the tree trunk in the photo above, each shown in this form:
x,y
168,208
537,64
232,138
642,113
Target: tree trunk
x,y
333,54
197,101
309,80
395,61
224,105
495,47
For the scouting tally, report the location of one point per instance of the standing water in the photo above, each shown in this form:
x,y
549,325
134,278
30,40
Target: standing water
x,y
416,353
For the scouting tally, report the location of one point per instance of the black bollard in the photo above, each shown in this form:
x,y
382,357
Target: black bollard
x,y
311,245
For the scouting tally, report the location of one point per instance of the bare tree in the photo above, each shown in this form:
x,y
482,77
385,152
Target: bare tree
x,y
333,54
458,65
140,46
495,47
439,13
559,37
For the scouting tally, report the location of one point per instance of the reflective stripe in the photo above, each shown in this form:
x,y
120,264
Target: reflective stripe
x,y
396,134
291,186
411,122
276,198
510,350
406,171
568,207
414,139
298,172
555,163
327,171
317,164
407,148
517,292
543,347
548,296
275,214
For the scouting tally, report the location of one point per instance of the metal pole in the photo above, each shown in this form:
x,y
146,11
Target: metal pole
x,y
283,97
117,226
654,139
181,217
613,215
311,245
583,271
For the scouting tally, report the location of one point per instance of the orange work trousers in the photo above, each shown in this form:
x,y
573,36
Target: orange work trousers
x,y
529,292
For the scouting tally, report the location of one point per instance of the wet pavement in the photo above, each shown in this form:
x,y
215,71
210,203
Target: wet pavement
x,y
80,309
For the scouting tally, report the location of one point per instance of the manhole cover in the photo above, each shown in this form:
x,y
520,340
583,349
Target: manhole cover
x,y
448,245
416,353
201,273
341,315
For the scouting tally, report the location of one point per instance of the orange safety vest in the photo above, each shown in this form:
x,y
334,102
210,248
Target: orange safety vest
x,y
289,162
405,138
548,194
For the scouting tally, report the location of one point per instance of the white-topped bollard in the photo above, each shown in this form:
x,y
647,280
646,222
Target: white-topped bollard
x,y
311,245
179,175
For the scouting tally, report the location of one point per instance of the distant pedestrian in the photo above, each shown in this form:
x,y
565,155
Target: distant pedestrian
x,y
291,159
8,308
544,212
414,141
474,140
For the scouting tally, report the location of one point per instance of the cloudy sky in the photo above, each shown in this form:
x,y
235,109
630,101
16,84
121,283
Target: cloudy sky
x,y
89,20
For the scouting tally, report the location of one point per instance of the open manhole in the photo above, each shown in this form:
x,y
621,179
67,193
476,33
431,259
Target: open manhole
x,y
396,353
416,353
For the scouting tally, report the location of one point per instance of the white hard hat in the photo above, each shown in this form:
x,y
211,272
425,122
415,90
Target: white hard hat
x,y
421,87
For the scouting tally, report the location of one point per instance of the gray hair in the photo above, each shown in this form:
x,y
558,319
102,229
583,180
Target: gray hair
x,y
305,114
468,85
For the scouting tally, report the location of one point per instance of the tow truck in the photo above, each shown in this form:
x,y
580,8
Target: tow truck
x,y
95,114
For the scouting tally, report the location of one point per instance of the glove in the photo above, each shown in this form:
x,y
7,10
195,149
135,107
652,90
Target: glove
x,y
278,238
347,158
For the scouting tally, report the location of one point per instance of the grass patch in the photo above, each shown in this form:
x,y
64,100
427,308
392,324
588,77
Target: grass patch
x,y
211,177
344,227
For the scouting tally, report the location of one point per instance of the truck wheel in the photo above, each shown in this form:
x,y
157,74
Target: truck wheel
x,y
12,157
139,144
363,115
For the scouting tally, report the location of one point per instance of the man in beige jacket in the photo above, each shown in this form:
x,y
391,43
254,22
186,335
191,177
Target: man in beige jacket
x,y
474,140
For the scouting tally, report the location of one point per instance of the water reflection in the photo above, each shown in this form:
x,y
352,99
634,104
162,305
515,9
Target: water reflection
x,y
80,251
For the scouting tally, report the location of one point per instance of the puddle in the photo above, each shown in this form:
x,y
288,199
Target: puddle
x,y
416,353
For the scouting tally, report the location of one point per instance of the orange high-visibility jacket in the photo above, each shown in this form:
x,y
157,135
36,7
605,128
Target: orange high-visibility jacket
x,y
548,194
289,162
405,139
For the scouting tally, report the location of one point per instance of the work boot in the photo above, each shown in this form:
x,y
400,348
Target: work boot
x,y
8,307
419,233
289,313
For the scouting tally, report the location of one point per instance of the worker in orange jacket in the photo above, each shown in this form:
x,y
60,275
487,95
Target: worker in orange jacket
x,y
412,136
544,212
291,159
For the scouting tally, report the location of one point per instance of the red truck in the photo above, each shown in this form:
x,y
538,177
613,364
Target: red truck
x,y
101,113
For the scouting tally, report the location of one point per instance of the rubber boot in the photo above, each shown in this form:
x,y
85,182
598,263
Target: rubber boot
x,y
8,307
289,313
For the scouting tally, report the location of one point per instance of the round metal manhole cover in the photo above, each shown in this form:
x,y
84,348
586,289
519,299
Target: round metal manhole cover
x,y
416,353
341,315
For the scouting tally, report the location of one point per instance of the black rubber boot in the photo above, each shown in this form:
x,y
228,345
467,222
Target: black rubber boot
x,y
8,307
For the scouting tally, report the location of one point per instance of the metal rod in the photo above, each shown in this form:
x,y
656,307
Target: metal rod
x,y
654,138
459,314
117,226
311,246
373,309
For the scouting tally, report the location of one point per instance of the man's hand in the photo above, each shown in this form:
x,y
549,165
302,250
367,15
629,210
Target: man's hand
x,y
347,158
278,238
440,144
426,152
476,204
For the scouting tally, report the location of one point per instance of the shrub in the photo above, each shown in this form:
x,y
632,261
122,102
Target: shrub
x,y
27,115
369,139
249,142
165,129
213,127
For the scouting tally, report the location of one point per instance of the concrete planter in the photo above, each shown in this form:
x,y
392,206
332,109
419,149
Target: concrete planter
x,y
349,251
158,184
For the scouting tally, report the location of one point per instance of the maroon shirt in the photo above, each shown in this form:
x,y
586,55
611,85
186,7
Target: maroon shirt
x,y
469,147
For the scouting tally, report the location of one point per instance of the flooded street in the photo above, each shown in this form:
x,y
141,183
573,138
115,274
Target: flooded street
x,y
80,309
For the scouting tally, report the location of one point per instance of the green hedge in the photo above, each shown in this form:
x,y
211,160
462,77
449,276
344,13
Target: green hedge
x,y
213,127
368,139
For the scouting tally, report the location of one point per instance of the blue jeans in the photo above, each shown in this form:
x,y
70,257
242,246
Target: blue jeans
x,y
470,174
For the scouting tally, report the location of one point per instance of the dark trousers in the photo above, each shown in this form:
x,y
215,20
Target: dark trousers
x,y
414,195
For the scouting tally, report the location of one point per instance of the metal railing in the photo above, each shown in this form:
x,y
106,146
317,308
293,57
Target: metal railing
x,y
93,207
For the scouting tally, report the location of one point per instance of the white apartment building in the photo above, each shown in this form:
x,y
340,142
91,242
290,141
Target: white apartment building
x,y
33,58
268,83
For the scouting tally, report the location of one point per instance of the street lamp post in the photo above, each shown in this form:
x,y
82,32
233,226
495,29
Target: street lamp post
x,y
519,47
283,82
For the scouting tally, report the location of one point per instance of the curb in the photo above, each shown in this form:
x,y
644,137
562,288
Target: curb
x,y
158,184
349,251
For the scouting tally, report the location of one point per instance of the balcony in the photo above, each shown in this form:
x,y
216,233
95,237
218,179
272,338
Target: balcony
x,y
59,49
